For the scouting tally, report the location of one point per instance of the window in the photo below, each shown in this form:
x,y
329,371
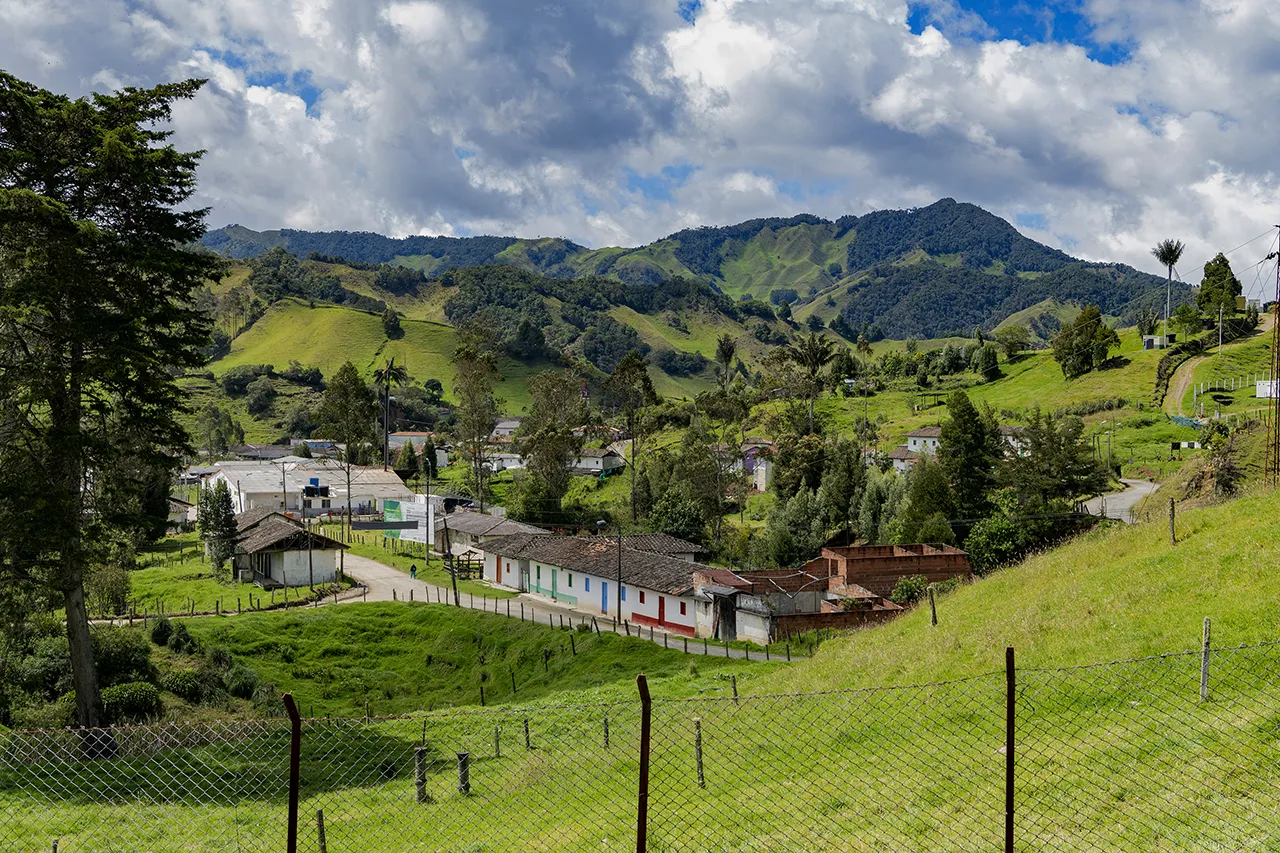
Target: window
x,y
586,584
570,581
324,504
623,590
306,503
538,569
682,608
642,596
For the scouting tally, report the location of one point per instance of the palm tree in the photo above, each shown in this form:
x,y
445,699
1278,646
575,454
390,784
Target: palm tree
x,y
386,376
811,353
1167,252
726,349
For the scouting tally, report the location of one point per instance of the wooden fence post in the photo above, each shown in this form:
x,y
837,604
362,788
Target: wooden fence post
x,y
697,750
1204,664
933,607
420,773
464,773
324,848
1173,537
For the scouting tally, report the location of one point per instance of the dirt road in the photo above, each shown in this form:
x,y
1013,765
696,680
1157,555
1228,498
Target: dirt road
x,y
1119,505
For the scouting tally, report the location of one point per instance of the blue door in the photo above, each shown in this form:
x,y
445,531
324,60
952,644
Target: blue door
x,y
604,596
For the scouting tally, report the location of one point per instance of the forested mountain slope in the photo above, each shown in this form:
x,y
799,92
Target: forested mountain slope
x,y
925,272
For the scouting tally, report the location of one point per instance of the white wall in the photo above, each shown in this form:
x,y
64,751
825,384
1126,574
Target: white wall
x,y
753,627
291,568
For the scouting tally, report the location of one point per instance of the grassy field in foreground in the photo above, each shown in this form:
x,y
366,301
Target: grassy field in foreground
x,y
1122,757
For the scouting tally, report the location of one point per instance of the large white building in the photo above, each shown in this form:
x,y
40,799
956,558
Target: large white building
x,y
310,486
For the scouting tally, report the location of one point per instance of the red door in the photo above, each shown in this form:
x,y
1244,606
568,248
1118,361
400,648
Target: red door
x,y
662,609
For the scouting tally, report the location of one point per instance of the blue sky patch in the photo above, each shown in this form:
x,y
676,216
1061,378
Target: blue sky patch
x,y
463,153
659,185
688,9
1045,22
1033,221
298,83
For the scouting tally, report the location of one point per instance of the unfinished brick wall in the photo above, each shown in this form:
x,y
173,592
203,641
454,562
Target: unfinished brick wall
x,y
878,568
784,626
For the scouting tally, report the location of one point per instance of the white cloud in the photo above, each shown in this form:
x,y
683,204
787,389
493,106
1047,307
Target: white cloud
x,y
828,106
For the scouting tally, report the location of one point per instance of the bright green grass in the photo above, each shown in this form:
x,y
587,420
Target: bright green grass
x,y
404,658
173,576
1244,362
327,336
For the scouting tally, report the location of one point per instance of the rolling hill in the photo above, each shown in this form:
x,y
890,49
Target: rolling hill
x,y
925,272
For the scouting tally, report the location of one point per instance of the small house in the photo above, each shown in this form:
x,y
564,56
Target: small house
x,y
925,440
505,428
273,550
469,531
596,461
902,458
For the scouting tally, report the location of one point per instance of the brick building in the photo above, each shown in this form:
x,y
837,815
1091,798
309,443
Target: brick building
x,y
877,568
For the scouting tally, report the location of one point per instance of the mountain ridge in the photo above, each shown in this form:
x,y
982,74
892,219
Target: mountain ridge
x,y
921,272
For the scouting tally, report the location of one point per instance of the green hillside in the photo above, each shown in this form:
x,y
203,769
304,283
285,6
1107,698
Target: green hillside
x,y
327,336
925,272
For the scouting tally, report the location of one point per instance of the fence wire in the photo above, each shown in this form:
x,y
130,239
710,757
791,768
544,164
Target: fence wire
x,y
1118,756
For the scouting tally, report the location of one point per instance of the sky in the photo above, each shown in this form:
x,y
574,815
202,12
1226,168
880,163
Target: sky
x,y
1096,126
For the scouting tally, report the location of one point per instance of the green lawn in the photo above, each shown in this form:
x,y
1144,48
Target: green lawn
x,y
404,658
1241,363
173,577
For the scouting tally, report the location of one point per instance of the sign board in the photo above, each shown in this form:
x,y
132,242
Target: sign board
x,y
422,514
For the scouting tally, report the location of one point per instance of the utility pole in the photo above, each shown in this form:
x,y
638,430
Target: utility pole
x,y
311,570
619,613
1219,331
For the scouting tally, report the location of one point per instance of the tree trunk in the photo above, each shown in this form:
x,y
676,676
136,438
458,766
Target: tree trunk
x,y
84,676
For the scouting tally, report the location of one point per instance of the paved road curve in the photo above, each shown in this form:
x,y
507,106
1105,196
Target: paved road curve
x,y
385,583
1119,505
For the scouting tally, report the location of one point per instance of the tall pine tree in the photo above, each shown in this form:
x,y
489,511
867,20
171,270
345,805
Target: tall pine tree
x,y
97,317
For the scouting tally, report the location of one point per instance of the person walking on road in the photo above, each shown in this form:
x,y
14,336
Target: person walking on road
x,y
413,571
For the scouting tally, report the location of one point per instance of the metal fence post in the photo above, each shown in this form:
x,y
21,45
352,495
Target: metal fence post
x,y
295,759
1009,702
642,799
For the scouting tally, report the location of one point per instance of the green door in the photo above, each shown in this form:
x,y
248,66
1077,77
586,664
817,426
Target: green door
x,y
553,583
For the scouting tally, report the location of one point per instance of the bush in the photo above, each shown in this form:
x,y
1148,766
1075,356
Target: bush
x,y
910,589
181,642
132,702
241,682
186,683
59,714
219,657
161,631
121,655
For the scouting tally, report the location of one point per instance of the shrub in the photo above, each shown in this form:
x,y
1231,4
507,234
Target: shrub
x,y
241,682
59,714
219,657
121,655
909,589
186,683
161,631
130,702
181,642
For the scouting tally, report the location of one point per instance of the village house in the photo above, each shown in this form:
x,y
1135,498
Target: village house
x,y
928,440
593,460
761,606
469,531
397,440
181,514
582,572
274,550
878,568
505,428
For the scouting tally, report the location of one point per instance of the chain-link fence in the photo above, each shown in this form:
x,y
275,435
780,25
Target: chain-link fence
x,y
1174,752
